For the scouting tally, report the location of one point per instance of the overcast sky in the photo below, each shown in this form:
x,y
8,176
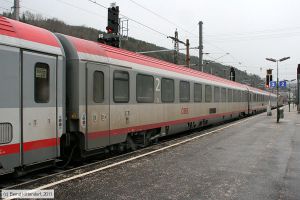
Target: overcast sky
x,y
250,30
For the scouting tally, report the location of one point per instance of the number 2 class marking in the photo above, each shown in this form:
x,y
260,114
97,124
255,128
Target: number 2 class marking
x,y
157,81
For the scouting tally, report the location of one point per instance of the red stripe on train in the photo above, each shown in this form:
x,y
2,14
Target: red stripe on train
x,y
28,146
9,149
107,133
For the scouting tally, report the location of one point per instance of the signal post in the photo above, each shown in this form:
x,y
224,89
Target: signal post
x,y
112,37
269,78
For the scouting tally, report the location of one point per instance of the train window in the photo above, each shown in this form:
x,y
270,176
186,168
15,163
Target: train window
x,y
98,87
121,87
217,94
197,92
167,90
41,83
229,95
184,91
223,95
144,88
208,93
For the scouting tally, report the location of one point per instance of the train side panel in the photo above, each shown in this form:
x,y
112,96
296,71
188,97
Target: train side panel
x,y
32,96
10,108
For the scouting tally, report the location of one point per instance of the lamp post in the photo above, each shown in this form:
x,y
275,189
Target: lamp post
x,y
277,86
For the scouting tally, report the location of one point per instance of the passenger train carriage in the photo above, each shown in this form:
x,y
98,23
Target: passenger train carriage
x,y
60,93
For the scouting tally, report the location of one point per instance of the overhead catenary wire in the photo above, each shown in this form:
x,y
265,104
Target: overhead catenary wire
x,y
31,9
8,9
255,32
5,8
80,8
131,19
162,17
266,37
169,21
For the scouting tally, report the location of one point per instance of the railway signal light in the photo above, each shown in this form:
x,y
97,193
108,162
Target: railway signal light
x,y
267,81
113,20
232,74
112,36
269,77
109,30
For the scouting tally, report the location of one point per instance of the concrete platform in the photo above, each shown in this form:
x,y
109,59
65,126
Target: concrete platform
x,y
256,159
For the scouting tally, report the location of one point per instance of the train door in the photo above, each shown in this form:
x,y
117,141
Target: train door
x,y
39,107
97,99
121,112
248,100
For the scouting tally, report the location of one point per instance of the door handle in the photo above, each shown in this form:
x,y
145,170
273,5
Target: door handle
x,y
127,113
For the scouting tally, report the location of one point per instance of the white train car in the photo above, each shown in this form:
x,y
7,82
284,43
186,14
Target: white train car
x,y
32,95
61,94
116,95
259,100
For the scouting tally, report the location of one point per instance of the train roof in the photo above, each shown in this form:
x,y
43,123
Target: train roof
x,y
89,49
23,35
94,51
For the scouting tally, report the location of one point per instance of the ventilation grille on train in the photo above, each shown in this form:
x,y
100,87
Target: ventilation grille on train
x,y
5,133
6,26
